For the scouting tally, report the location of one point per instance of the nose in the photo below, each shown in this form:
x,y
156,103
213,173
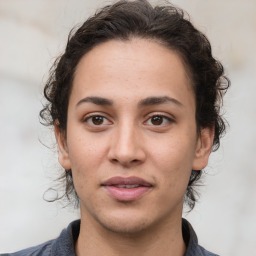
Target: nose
x,y
127,147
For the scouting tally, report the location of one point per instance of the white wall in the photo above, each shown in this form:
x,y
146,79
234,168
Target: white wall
x,y
33,33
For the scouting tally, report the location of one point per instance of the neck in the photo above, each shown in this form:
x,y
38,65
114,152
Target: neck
x,y
165,239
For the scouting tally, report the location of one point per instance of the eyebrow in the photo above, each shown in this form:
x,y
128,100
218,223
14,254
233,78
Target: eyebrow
x,y
96,100
145,102
158,100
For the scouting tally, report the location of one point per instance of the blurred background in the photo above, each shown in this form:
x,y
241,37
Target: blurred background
x,y
33,33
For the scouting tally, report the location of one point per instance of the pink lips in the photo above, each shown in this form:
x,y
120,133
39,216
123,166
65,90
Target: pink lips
x,y
126,189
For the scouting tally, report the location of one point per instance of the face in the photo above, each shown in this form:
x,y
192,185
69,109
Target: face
x,y
131,138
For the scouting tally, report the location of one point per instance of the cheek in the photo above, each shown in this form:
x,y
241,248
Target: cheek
x,y
173,157
84,149
85,157
174,150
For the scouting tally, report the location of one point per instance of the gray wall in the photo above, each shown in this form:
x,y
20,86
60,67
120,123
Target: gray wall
x,y
33,33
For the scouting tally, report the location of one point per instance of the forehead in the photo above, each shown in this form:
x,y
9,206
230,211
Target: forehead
x,y
119,68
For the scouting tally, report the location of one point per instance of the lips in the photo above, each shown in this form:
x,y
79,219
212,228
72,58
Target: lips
x,y
126,188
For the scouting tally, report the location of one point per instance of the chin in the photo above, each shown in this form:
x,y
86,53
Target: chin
x,y
126,228
125,224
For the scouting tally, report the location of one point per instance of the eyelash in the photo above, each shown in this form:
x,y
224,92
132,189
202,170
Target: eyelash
x,y
88,118
163,119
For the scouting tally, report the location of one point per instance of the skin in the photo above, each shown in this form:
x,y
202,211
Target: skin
x,y
132,137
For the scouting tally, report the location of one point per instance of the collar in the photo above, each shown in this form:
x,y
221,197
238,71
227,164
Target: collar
x,y
64,245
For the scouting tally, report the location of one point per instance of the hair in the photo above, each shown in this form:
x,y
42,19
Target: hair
x,y
167,25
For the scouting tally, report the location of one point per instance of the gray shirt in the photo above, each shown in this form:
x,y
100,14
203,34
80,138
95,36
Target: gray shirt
x,y
64,245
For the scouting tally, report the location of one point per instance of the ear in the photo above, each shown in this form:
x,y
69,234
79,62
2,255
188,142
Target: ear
x,y
203,148
62,147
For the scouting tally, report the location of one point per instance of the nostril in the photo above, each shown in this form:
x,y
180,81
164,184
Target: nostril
x,y
125,162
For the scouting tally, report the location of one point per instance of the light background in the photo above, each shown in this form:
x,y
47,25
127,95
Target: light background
x,y
32,34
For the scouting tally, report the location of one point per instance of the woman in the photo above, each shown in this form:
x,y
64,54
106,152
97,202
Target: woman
x,y
135,103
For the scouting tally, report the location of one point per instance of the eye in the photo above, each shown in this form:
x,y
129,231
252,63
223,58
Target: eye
x,y
159,120
97,120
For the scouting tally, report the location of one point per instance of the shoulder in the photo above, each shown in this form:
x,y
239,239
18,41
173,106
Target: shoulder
x,y
190,238
64,245
39,250
206,253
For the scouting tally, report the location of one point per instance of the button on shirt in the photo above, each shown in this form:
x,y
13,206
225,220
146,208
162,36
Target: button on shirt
x,y
64,245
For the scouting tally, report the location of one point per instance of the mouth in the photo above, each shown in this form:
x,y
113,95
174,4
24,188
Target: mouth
x,y
126,188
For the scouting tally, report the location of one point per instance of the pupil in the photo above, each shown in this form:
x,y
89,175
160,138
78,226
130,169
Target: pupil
x,y
97,120
157,120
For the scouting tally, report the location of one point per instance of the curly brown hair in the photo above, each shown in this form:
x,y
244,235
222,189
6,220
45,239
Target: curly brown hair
x,y
166,24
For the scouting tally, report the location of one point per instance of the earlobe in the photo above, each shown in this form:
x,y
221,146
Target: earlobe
x,y
203,148
62,147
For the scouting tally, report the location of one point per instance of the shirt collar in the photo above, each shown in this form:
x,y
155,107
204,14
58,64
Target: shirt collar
x,y
65,244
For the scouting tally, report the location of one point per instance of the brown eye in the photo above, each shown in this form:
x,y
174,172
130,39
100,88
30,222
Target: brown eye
x,y
97,120
160,121
157,120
